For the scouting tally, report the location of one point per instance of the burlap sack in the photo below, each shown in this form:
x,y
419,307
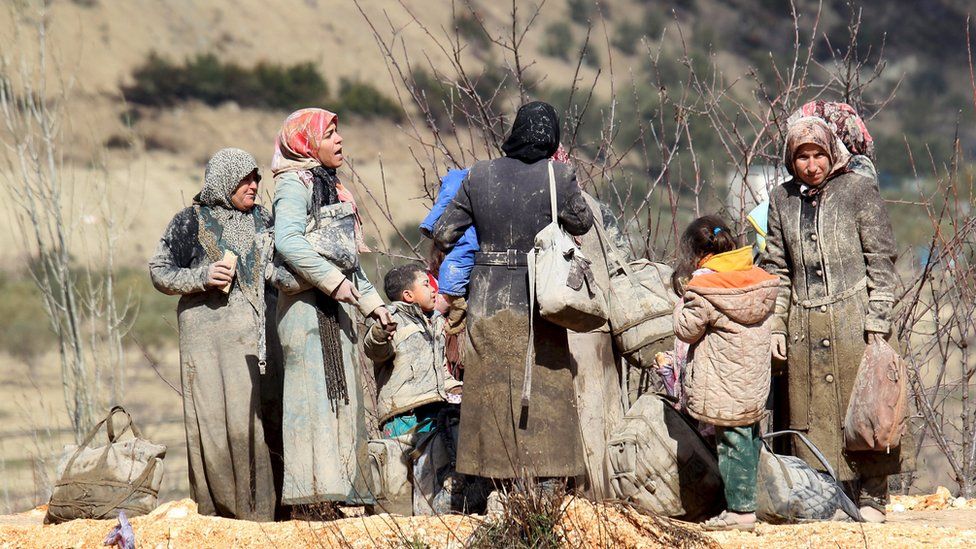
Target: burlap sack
x,y
876,414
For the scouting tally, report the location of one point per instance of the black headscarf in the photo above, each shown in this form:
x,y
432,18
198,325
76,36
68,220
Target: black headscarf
x,y
535,133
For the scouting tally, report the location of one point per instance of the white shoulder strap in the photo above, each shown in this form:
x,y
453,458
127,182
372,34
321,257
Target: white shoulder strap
x,y
552,193
530,350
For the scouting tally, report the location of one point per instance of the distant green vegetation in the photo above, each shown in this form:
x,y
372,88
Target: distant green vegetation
x,y
470,29
558,41
160,82
363,99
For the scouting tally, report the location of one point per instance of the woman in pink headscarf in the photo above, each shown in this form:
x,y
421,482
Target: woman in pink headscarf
x,y
324,419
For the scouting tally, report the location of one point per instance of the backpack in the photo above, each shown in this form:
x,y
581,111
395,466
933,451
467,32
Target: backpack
x,y
640,306
389,468
659,463
790,491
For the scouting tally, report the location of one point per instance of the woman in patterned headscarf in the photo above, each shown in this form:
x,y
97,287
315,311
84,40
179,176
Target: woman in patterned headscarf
x,y
831,244
225,374
324,422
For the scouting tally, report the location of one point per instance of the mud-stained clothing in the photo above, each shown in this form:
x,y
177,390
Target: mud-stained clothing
x,y
507,201
598,372
229,407
833,252
324,439
411,367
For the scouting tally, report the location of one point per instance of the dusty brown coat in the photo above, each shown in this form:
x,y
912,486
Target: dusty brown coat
x,y
598,393
833,254
728,363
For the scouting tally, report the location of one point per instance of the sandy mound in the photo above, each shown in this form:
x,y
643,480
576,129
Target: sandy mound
x,y
177,524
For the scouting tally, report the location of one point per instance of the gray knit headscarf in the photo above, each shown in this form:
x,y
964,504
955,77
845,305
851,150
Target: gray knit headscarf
x,y
225,170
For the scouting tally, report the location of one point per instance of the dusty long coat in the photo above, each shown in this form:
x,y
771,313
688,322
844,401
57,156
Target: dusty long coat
x,y
834,255
227,404
325,449
598,372
507,201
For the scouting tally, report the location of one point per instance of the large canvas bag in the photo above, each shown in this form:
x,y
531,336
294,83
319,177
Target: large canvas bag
x,y
790,491
877,412
659,463
562,283
333,237
389,468
98,482
640,306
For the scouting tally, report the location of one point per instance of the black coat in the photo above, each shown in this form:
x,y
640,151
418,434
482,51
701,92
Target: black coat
x,y
507,201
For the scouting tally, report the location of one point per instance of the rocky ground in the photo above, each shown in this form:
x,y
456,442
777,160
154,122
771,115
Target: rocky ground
x,y
914,521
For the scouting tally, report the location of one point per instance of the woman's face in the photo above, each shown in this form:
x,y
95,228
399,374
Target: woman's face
x,y
246,192
811,164
330,148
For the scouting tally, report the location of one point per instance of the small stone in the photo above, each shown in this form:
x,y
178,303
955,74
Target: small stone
x,y
177,513
897,508
959,503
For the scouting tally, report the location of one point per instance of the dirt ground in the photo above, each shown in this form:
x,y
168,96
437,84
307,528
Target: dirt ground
x,y
934,520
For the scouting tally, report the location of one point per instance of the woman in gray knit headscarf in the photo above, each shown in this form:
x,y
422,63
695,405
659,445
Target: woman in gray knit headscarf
x,y
231,390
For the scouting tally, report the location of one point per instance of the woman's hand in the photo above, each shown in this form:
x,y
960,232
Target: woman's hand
x,y
874,338
219,274
346,293
778,345
384,318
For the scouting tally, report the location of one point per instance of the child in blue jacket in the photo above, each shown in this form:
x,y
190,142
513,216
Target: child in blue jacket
x,y
455,270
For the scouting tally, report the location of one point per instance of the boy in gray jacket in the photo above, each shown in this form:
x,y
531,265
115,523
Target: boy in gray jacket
x,y
414,385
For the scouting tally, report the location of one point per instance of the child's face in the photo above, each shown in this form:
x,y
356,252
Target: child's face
x,y
421,293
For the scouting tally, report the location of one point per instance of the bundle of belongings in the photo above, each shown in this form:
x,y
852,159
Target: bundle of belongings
x,y
99,482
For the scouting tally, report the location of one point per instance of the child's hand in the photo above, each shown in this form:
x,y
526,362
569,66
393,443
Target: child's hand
x,y
379,333
455,390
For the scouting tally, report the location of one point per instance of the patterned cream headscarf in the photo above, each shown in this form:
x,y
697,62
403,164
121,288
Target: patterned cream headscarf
x,y
813,130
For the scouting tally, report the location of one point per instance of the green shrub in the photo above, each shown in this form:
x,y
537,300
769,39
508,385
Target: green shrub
x,y
160,83
558,41
365,100
24,328
453,103
433,97
580,11
591,57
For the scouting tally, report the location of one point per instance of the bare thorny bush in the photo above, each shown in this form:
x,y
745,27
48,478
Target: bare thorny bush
x,y
72,258
461,95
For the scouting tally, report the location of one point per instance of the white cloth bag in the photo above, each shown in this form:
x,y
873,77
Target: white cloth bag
x,y
561,281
